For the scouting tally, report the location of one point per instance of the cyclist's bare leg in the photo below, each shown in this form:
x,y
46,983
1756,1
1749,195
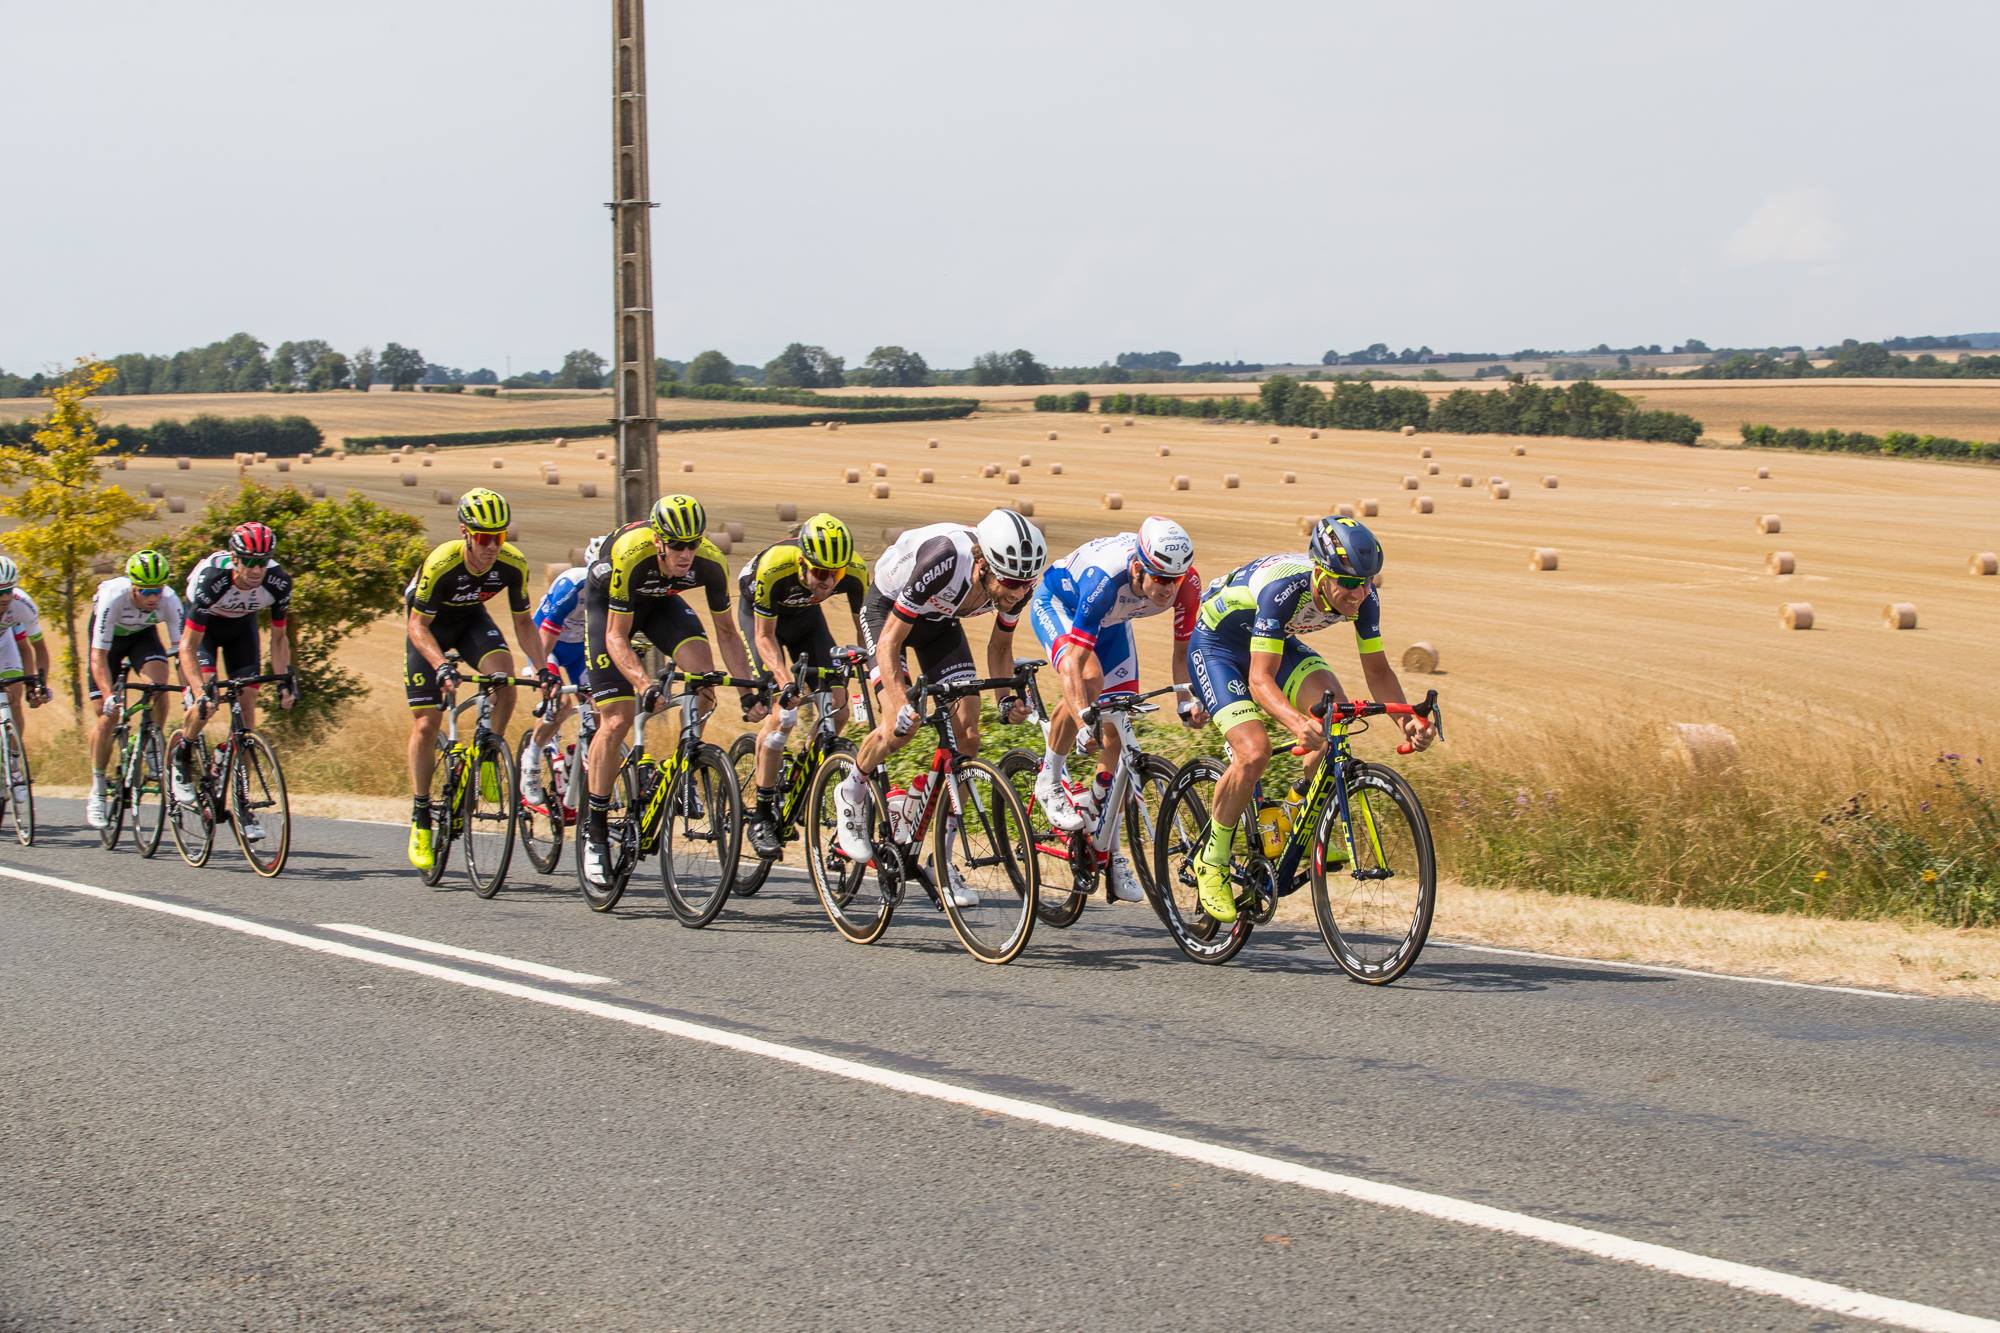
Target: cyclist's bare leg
x,y
1067,719
17,700
607,748
694,655
156,673
500,662
1250,755
1312,689
424,724
545,732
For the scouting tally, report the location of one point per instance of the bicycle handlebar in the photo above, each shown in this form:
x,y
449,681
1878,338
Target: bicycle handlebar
x,y
1120,703
944,693
147,687
237,684
1331,711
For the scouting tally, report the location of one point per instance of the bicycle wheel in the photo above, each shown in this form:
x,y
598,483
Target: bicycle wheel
x,y
19,797
751,869
1142,814
1058,902
257,802
703,818
192,822
985,858
859,896
491,810
623,827
541,826
1376,913
445,779
1177,847
114,798
149,794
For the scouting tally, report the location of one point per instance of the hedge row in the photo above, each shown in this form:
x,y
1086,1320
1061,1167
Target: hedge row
x,y
1355,405
1896,442
205,436
1063,402
758,421
1583,411
738,393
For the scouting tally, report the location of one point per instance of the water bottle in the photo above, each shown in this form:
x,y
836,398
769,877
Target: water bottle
x,y
1274,823
902,814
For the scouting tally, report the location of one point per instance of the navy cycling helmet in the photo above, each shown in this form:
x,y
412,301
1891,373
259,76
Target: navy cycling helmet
x,y
1340,546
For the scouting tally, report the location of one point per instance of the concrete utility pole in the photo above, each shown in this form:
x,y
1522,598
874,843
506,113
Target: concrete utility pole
x,y
632,267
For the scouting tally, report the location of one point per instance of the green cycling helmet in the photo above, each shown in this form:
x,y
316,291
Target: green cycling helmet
x,y
147,569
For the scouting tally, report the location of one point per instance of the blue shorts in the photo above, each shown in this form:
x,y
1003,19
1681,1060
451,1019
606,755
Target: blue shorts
x,y
1053,616
569,656
1221,675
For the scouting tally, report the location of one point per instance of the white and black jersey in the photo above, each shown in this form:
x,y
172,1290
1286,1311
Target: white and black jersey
x,y
927,575
114,615
212,593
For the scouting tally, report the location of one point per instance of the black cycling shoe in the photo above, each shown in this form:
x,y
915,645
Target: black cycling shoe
x,y
762,831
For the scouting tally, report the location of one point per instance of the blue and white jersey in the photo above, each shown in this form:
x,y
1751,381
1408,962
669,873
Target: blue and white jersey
x,y
562,604
1094,585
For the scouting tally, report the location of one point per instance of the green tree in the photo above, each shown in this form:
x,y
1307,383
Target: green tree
x,y
402,366
349,560
330,371
285,367
581,369
364,368
990,368
896,366
69,514
801,366
1022,368
711,367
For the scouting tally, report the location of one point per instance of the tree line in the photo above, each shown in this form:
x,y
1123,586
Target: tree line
x,y
204,436
1897,443
1850,360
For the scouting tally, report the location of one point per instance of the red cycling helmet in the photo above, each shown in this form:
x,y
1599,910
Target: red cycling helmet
x,y
253,539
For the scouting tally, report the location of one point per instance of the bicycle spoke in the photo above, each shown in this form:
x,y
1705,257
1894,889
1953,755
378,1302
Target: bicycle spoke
x,y
1375,913
985,864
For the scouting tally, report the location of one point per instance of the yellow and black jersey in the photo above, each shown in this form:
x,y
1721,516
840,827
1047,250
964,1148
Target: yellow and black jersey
x,y
628,571
445,587
773,584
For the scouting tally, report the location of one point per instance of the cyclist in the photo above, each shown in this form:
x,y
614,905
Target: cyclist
x,y
1083,613
20,629
125,618
635,588
560,619
1246,656
778,594
447,609
225,593
927,583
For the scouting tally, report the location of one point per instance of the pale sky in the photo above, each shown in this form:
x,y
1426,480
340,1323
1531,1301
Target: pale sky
x,y
1257,180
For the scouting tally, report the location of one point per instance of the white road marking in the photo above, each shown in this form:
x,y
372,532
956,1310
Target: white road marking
x,y
1680,971
542,970
1801,1291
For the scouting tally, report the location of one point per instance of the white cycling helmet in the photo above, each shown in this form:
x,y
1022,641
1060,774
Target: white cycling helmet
x,y
590,551
1013,546
10,574
1165,549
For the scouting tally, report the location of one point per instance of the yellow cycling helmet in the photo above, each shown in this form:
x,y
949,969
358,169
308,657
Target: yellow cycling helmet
x,y
147,569
483,510
825,542
678,518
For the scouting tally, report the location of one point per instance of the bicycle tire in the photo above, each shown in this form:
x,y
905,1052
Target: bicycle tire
x,y
751,869
856,897
114,799
1057,903
1142,814
701,848
444,791
995,927
149,819
18,778
624,799
1376,934
256,776
1178,843
541,830
490,824
193,822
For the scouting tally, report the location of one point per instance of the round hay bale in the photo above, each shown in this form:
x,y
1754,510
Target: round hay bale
x,y
687,465
1025,508
1763,474
118,463
1410,483
154,490
1370,508
926,476
1421,657
176,505
787,512
318,489
1430,469
1165,452
1128,421
262,458
1703,746
1409,430
1230,481
1343,511
499,463
1549,482
432,448
1465,479
551,477
409,478
1424,452
183,463
446,497
1312,435
1105,429
1421,504
880,469
1113,500
1013,477
1027,460
1180,483
1780,562
587,489
305,459
1306,524
851,476
1983,562
1052,435
931,443
1499,492
880,490
425,461
833,425
601,455
284,465
1055,469
1899,615
1768,523
1270,439
1520,451
722,542
1496,481
1543,558
1795,615
561,443
1289,478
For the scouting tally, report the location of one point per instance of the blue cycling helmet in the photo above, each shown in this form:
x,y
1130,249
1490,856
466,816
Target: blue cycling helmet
x,y
1340,546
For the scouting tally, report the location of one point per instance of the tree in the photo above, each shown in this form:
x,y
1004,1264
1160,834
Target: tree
x,y
805,367
711,367
284,367
1022,368
70,514
364,368
581,369
402,366
893,365
1692,345
1149,360
349,560
1329,357
989,368
328,372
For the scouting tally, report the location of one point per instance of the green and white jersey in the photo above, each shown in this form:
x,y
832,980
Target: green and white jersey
x,y
114,615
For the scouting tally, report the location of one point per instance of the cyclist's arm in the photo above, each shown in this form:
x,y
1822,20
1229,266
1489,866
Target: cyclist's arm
x,y
530,638
618,643
419,630
1384,686
551,636
281,648
190,664
1000,653
41,657
100,670
714,576
769,651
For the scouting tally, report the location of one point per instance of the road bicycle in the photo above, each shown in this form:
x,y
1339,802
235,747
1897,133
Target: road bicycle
x,y
1078,863
140,771
17,785
797,768
543,825
1360,834
980,845
686,807
239,781
472,788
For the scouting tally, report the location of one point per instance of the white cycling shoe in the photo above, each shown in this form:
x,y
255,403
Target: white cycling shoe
x,y
252,830
1124,882
1052,794
850,801
93,810
596,860
532,790
962,894
183,789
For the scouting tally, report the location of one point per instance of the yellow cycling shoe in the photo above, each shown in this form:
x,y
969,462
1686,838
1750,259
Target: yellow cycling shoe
x,y
421,855
1218,899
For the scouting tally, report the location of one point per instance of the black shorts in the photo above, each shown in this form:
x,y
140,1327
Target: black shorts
x,y
234,640
129,652
664,622
798,632
943,655
471,633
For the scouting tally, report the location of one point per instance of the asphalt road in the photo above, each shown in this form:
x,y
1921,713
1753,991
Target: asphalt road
x,y
250,1120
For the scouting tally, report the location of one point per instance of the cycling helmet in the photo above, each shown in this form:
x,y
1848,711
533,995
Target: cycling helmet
x,y
1340,546
147,569
678,518
252,539
10,574
590,551
484,510
1165,549
1013,546
825,542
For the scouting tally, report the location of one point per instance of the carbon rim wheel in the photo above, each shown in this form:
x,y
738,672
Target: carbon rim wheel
x,y
20,793
541,826
985,863
702,822
857,896
623,837
1376,914
259,791
1178,845
1148,797
490,812
751,869
1057,903
445,777
192,822
149,795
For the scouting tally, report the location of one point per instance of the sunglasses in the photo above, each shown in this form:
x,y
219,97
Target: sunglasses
x,y
138,591
694,545
485,538
815,573
1350,581
1014,585
253,561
